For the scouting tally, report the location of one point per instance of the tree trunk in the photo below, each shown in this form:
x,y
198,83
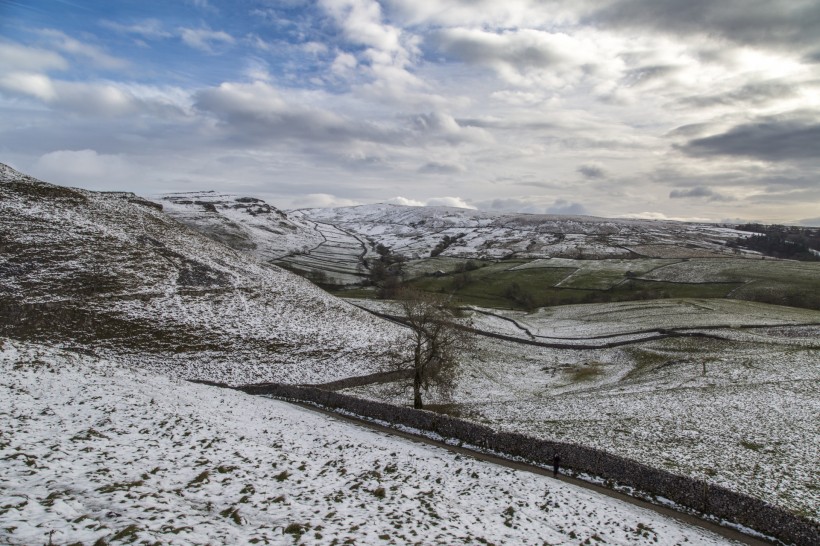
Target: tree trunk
x,y
417,375
417,389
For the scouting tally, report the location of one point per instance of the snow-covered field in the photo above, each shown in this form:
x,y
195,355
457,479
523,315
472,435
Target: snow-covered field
x,y
93,451
609,319
337,260
740,412
596,274
733,270
415,231
90,449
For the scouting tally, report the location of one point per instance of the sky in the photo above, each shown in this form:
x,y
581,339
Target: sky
x,y
685,109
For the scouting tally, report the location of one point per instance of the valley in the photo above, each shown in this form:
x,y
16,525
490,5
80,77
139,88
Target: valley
x,y
655,341
658,341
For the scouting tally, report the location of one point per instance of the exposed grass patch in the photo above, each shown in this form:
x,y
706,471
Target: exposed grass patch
x,y
296,529
751,445
122,486
129,534
201,478
587,372
645,361
233,514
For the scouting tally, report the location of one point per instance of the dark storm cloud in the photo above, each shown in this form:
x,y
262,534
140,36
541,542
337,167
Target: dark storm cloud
x,y
435,167
562,206
769,139
781,23
522,48
646,74
501,124
780,196
753,93
690,130
810,222
699,192
592,171
511,205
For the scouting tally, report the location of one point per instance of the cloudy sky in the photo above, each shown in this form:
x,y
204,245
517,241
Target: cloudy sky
x,y
689,109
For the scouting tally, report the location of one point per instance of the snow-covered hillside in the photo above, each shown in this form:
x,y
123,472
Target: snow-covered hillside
x,y
94,453
332,245
242,223
415,231
111,273
318,251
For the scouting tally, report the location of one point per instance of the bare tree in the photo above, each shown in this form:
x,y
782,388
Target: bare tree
x,y
432,345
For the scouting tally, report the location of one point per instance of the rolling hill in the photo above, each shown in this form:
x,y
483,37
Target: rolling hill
x,y
112,274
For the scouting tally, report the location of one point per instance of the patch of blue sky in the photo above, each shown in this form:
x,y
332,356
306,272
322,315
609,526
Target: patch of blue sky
x,y
179,43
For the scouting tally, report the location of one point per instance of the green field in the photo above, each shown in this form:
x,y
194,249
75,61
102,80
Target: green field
x,y
529,284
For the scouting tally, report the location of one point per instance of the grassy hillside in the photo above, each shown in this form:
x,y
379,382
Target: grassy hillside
x,y
112,274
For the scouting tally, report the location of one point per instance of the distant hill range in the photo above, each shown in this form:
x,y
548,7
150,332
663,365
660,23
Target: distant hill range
x,y
112,274
337,245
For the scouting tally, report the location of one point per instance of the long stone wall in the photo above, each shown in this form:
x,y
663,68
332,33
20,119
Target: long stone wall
x,y
661,334
693,493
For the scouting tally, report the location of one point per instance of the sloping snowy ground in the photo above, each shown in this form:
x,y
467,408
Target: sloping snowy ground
x,y
602,323
90,450
103,273
243,223
748,423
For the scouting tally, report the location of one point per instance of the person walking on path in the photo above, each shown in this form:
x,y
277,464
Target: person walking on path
x,y
556,464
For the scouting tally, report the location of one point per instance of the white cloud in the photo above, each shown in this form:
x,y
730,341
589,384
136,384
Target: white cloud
x,y
322,200
432,202
26,83
81,167
388,56
344,64
662,216
147,28
29,59
361,21
72,46
314,48
489,13
204,5
204,39
445,126
523,57
98,99
399,200
448,202
258,112
442,167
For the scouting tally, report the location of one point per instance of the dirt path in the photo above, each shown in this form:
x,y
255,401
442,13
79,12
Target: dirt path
x,y
663,510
